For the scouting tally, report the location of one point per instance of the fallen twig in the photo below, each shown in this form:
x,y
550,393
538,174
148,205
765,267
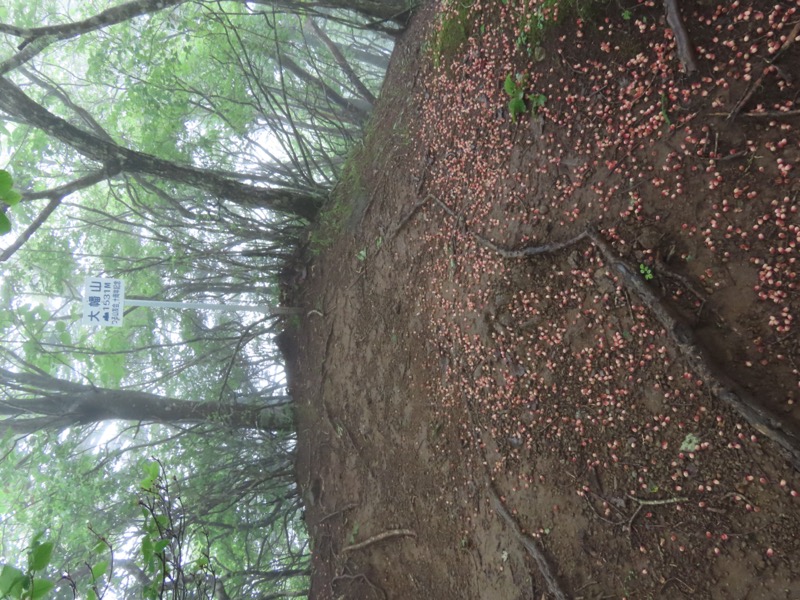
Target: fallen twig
x,y
379,538
767,114
629,523
684,44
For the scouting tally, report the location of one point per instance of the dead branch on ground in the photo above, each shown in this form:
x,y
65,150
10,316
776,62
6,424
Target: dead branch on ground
x,y
379,538
684,44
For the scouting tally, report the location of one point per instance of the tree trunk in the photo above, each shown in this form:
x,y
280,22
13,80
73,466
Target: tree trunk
x,y
114,157
351,106
342,62
33,402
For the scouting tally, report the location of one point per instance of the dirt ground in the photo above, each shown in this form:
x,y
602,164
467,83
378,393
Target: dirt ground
x,y
629,396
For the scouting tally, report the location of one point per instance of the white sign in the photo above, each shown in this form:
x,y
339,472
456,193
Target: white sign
x,y
103,301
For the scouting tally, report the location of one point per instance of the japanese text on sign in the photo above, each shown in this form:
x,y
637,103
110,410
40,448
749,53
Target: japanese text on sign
x,y
103,301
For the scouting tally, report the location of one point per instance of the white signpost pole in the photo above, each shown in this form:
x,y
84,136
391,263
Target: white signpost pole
x,y
104,303
269,310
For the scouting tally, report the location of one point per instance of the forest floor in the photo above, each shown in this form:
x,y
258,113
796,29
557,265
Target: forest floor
x,y
630,394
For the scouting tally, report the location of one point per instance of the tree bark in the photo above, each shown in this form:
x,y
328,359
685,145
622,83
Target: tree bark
x,y
117,158
33,402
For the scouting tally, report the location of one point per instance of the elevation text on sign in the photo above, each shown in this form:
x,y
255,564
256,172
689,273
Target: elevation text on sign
x,y
103,301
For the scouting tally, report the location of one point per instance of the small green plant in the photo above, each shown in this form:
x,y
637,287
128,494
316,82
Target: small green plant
x,y
514,86
362,254
453,31
664,112
331,222
353,534
690,443
627,14
24,585
646,272
537,101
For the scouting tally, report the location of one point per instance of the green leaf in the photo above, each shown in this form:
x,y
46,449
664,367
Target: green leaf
x,y
10,578
40,556
6,182
510,86
99,547
690,442
147,551
11,197
5,224
152,471
40,588
516,107
160,546
537,100
99,569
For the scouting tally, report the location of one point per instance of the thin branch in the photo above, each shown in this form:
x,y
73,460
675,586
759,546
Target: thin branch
x,y
37,39
56,195
379,538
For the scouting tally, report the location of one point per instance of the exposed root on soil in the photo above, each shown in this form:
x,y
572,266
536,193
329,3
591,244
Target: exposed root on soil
x,y
684,44
379,538
358,577
726,390
347,507
522,252
627,522
529,543
755,85
405,220
682,336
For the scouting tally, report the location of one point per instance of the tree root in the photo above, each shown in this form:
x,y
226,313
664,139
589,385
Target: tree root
x,y
529,543
751,89
358,577
763,420
721,386
379,538
684,44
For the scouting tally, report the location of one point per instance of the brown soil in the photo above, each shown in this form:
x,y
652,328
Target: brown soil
x,y
432,372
